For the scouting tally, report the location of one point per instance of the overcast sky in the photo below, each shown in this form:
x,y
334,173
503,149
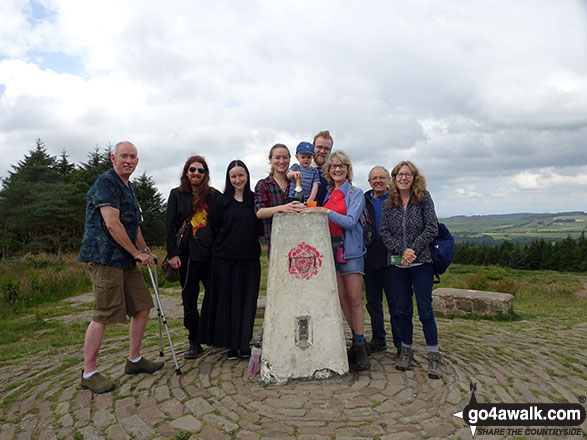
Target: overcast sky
x,y
488,98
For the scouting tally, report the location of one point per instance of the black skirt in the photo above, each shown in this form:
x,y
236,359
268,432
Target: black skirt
x,y
229,308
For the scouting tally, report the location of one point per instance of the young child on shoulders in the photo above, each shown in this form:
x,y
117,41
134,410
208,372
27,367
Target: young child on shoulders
x,y
310,178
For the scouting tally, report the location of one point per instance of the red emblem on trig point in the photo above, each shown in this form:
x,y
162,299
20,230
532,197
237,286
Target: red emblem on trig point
x,y
304,261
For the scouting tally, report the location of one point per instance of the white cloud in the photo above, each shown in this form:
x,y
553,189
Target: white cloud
x,y
487,98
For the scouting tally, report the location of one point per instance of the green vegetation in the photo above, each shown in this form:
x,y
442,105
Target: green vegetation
x,y
522,228
539,294
43,203
35,280
32,287
566,255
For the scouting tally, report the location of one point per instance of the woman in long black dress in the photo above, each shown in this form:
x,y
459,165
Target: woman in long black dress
x,y
191,204
228,311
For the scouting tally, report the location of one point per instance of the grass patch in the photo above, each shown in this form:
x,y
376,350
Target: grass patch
x,y
540,294
28,327
36,280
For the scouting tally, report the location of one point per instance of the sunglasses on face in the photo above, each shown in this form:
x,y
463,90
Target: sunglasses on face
x,y
199,170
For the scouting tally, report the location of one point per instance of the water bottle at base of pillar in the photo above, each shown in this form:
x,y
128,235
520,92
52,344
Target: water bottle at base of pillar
x,y
255,360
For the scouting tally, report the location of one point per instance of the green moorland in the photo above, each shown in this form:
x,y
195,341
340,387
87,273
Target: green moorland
x,y
31,288
522,226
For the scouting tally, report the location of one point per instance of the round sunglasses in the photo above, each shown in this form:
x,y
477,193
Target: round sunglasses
x,y
199,170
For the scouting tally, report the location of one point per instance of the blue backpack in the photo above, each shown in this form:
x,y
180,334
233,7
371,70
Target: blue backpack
x,y
442,249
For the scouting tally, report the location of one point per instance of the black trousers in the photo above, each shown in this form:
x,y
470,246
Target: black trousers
x,y
191,273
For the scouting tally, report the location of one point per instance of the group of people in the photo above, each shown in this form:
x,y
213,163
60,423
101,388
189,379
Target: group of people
x,y
213,239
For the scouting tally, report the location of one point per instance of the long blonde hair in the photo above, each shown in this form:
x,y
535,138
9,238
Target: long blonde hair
x,y
418,185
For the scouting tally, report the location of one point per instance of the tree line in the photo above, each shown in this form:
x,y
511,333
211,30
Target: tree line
x,y
43,202
566,255
42,206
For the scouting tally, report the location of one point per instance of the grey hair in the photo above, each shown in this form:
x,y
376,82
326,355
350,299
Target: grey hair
x,y
115,150
385,170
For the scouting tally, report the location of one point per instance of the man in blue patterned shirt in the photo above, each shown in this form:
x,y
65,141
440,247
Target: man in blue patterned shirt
x,y
110,246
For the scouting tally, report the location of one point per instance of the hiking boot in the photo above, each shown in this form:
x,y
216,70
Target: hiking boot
x,y
361,357
376,345
194,350
97,383
405,358
232,355
350,354
434,365
142,366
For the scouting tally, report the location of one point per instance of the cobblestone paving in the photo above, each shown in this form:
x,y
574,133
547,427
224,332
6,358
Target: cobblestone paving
x,y
523,361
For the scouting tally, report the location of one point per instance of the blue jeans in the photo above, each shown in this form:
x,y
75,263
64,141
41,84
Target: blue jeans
x,y
378,281
415,280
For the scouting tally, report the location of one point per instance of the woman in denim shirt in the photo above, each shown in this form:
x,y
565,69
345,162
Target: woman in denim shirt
x,y
408,226
344,205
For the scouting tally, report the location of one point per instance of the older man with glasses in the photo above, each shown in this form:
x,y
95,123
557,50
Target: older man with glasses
x,y
377,270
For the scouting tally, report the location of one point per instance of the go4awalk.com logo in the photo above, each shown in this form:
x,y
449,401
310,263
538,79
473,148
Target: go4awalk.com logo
x,y
523,419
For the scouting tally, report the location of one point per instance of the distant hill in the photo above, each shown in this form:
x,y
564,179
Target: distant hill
x,y
524,227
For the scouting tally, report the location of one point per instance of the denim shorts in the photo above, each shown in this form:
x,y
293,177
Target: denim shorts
x,y
352,265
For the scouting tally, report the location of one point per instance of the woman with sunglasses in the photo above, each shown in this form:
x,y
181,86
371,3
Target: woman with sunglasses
x,y
229,308
408,226
189,240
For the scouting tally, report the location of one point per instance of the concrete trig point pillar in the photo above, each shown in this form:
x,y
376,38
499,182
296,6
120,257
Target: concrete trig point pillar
x,y
303,335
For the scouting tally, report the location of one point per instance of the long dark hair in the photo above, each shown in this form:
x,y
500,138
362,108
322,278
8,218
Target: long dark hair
x,y
248,195
202,191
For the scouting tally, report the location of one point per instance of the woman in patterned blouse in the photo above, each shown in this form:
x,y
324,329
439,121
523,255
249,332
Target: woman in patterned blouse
x,y
408,226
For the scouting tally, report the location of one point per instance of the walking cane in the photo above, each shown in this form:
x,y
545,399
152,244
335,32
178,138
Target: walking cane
x,y
161,315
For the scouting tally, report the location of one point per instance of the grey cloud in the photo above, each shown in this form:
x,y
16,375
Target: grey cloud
x,y
501,85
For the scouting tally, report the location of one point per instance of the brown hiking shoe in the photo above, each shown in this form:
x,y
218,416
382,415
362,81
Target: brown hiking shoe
x,y
97,383
142,366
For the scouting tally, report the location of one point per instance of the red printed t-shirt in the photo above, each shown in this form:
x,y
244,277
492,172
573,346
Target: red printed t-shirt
x,y
336,203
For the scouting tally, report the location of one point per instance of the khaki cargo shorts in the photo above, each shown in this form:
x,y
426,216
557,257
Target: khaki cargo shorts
x,y
118,292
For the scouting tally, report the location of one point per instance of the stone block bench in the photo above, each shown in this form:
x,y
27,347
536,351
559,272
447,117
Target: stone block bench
x,y
461,302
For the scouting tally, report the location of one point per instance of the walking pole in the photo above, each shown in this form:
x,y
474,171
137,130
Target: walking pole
x,y
160,336
159,316
162,317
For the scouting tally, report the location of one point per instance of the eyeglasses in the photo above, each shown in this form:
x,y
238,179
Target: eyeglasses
x,y
406,175
321,148
338,165
199,170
